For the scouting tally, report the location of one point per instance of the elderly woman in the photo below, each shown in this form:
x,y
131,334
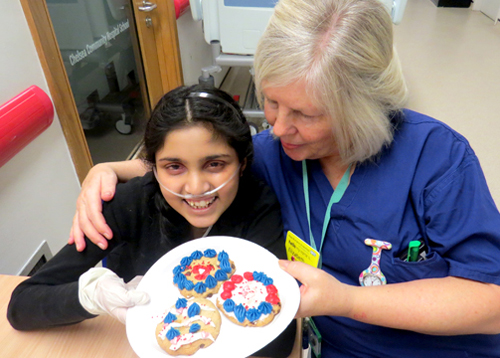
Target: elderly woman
x,y
362,180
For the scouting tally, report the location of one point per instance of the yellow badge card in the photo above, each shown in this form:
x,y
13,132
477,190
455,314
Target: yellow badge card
x,y
298,250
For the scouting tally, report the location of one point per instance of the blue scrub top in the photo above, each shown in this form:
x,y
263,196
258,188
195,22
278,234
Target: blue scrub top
x,y
427,185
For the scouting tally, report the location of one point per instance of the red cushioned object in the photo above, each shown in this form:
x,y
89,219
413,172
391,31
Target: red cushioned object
x,y
181,7
22,119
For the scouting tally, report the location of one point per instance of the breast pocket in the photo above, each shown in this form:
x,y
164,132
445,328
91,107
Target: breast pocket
x,y
401,271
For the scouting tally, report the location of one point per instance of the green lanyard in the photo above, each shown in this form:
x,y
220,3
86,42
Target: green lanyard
x,y
338,193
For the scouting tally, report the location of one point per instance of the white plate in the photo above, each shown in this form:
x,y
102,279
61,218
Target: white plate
x,y
234,341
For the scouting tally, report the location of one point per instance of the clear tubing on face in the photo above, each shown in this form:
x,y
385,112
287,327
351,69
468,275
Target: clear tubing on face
x,y
195,196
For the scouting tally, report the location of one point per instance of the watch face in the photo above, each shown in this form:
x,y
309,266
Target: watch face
x,y
371,280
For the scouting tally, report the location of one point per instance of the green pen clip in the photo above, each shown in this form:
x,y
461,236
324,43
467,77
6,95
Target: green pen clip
x,y
413,248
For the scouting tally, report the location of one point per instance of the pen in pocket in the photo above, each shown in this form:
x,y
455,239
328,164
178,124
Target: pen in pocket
x,y
416,251
413,248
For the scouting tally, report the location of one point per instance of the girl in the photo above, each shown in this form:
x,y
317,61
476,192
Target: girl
x,y
198,147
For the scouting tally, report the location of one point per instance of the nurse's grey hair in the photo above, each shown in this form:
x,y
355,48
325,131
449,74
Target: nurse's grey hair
x,y
343,50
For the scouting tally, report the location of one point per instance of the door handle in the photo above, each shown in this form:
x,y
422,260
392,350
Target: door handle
x,y
147,6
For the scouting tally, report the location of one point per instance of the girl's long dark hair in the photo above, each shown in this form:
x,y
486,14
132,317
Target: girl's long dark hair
x,y
192,106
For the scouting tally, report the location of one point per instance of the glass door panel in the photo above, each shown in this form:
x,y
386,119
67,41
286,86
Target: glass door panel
x,y
96,39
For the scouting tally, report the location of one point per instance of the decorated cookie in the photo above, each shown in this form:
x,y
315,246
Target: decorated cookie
x,y
188,326
202,273
249,300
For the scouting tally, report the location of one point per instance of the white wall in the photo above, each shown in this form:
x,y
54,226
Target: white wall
x,y
39,186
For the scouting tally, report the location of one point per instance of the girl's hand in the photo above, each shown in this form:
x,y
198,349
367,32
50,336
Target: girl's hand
x,y
320,294
100,184
101,291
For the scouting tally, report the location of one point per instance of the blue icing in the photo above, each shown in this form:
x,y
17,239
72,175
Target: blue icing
x,y
186,261
240,312
182,282
223,256
181,303
229,305
177,269
172,333
258,276
195,327
188,285
178,278
211,282
194,310
265,307
210,253
196,255
225,266
253,314
267,281
200,287
169,318
261,277
220,275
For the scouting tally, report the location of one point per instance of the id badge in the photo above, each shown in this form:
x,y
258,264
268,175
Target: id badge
x,y
298,250
314,337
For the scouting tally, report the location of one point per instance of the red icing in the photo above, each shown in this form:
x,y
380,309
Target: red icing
x,y
236,278
272,298
202,271
229,286
271,289
226,294
248,276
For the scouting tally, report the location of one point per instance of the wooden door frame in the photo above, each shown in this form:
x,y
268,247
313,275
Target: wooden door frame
x,y
161,61
160,47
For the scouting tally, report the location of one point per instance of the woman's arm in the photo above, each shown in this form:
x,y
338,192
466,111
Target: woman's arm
x,y
99,185
440,306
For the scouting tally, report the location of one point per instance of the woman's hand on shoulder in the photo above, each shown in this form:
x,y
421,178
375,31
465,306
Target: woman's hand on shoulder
x,y
99,185
320,293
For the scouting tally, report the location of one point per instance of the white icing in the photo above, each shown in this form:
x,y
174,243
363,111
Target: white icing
x,y
166,327
248,293
182,313
189,338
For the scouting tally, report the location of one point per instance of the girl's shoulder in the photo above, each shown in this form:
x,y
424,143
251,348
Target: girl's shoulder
x,y
254,193
138,187
133,201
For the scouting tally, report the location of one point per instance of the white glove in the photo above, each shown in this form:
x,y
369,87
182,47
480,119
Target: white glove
x,y
100,291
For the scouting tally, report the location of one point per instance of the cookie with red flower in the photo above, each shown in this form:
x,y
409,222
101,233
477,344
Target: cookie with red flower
x,y
250,299
202,273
